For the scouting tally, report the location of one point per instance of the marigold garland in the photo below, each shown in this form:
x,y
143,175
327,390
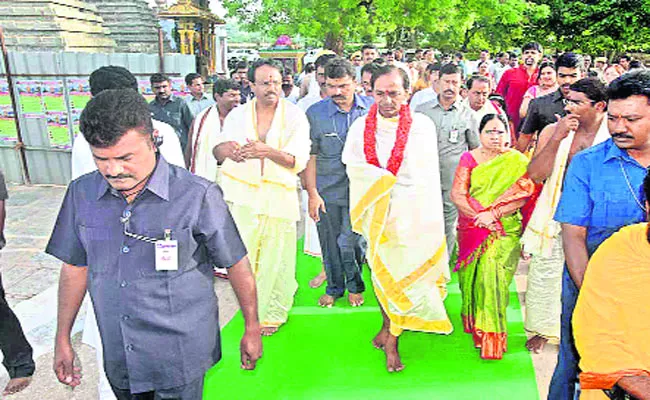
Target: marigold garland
x,y
370,139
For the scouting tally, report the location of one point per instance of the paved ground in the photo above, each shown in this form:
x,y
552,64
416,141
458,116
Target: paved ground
x,y
30,278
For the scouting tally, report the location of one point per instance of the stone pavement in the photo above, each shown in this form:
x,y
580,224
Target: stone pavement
x,y
30,278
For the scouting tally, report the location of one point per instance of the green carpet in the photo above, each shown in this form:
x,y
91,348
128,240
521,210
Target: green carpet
x,y
327,354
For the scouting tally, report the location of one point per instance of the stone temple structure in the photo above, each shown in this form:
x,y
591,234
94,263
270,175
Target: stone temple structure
x,y
68,25
133,24
123,26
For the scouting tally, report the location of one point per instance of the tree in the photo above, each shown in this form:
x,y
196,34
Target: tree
x,y
446,24
597,26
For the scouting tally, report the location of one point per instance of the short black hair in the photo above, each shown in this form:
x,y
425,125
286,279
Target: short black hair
x,y
157,78
368,47
432,67
512,54
260,62
309,68
450,69
570,60
370,68
625,56
459,56
593,88
189,78
636,64
221,86
489,117
323,59
477,78
633,83
111,114
241,65
111,77
532,46
339,68
544,64
387,70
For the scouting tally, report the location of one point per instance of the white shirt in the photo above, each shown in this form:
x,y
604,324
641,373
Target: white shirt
x,y
83,161
293,97
309,101
488,108
422,97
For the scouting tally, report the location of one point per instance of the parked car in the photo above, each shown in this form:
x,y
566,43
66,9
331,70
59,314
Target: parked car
x,y
310,57
244,54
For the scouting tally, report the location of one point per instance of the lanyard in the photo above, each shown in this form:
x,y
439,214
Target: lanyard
x,y
629,185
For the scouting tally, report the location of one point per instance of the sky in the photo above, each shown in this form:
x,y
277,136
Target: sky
x,y
215,6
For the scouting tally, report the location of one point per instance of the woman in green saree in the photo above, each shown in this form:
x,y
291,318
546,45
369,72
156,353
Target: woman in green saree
x,y
489,189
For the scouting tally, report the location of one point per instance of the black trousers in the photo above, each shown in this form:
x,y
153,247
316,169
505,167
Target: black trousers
x,y
17,352
191,391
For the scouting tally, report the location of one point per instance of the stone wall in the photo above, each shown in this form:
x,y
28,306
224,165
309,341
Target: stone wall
x,y
55,25
132,23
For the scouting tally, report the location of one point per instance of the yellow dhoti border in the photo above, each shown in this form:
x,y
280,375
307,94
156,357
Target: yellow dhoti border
x,y
406,253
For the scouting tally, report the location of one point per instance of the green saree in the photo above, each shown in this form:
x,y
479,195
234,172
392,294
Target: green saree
x,y
488,259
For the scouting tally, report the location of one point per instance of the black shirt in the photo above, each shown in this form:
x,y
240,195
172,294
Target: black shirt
x,y
541,112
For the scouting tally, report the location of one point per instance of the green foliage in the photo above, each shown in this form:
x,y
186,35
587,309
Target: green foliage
x,y
597,26
468,25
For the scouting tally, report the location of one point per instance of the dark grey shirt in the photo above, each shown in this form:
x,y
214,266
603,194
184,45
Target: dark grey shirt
x,y
329,127
541,112
175,113
457,130
4,195
159,329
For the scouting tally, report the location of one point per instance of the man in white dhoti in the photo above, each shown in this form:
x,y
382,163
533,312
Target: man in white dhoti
x,y
207,127
584,125
265,144
396,204
204,136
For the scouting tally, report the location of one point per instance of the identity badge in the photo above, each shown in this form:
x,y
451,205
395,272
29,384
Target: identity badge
x,y
453,136
167,254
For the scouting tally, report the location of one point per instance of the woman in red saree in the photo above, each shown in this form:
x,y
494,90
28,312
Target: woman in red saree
x,y
489,189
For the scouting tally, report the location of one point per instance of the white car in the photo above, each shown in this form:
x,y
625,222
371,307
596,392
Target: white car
x,y
244,54
310,57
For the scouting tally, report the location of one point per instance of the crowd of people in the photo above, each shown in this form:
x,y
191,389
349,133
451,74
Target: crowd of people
x,y
415,165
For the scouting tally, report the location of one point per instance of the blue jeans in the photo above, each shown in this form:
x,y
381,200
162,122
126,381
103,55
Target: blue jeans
x,y
565,377
340,248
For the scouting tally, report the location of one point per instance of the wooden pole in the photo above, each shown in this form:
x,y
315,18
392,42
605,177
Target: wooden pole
x,y
20,145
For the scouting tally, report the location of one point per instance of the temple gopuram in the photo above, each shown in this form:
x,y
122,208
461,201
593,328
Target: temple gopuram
x,y
198,32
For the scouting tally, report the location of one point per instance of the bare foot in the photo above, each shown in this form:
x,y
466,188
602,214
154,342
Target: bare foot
x,y
16,385
318,280
269,330
355,299
536,344
393,360
326,301
380,340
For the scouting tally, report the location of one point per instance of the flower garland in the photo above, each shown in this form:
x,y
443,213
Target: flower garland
x,y
370,139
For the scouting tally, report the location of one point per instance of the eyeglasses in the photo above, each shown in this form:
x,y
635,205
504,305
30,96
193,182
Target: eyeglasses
x,y
269,83
566,102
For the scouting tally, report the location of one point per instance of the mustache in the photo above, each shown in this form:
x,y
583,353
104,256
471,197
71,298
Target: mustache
x,y
120,176
622,136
